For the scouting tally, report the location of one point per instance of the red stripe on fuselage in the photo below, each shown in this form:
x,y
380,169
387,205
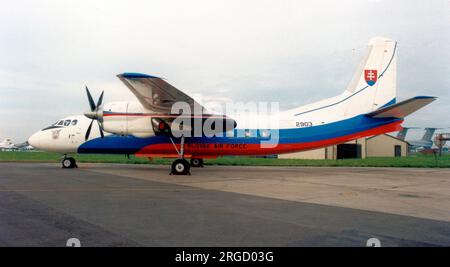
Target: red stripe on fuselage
x,y
160,115
203,149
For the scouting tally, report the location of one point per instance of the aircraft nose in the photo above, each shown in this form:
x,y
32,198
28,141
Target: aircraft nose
x,y
34,140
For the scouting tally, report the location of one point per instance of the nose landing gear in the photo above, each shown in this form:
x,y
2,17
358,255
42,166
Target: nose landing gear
x,y
68,163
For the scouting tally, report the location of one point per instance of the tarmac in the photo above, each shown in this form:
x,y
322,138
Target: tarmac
x,y
42,204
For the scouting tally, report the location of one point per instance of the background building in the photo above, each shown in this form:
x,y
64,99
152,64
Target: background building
x,y
386,146
376,146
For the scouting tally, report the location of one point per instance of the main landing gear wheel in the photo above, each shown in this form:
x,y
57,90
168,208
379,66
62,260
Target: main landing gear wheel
x,y
195,162
69,163
180,167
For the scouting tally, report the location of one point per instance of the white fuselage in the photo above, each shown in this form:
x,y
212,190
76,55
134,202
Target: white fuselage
x,y
64,138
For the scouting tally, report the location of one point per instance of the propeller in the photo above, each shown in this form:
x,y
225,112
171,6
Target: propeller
x,y
96,113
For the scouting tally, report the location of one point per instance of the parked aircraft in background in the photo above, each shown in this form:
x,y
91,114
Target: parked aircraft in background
x,y
426,142
150,128
402,134
7,144
24,146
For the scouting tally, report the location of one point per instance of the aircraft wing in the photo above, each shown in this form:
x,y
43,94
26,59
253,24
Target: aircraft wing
x,y
154,93
402,109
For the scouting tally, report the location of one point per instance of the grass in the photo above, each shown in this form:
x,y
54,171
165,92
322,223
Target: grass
x,y
419,161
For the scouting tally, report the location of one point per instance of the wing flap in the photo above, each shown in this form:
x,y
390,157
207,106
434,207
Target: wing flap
x,y
402,109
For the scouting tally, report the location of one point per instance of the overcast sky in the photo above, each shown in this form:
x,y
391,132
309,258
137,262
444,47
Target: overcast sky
x,y
294,52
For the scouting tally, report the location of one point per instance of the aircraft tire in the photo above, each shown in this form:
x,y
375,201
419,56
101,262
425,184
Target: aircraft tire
x,y
180,167
68,163
196,162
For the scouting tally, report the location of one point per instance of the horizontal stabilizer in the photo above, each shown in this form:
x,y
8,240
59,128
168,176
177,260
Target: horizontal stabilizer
x,y
402,109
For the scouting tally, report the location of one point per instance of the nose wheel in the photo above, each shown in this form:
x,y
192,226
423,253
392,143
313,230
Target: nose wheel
x,y
69,163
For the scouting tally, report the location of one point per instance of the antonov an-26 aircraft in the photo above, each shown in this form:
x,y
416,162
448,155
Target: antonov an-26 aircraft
x,y
146,128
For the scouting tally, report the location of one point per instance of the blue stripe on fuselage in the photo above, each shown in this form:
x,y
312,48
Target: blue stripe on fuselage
x,y
115,144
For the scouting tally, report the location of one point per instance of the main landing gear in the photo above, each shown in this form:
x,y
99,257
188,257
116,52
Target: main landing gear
x,y
196,162
180,166
68,163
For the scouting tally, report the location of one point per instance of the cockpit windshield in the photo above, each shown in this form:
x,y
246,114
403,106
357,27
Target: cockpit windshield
x,y
62,124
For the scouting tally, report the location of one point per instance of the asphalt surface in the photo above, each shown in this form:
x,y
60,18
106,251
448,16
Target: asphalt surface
x,y
141,205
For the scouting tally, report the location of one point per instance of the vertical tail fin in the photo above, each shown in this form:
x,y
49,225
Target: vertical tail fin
x,y
374,83
373,86
428,135
402,134
404,131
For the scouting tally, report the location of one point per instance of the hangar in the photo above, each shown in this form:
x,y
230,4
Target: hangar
x,y
386,145
375,146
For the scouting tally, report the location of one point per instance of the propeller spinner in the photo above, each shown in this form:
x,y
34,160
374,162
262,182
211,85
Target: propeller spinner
x,y
96,113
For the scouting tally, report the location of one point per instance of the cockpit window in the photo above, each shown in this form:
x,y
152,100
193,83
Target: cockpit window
x,y
61,124
58,124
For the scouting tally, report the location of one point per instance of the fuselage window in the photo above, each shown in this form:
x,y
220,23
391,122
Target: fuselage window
x,y
247,133
67,123
74,122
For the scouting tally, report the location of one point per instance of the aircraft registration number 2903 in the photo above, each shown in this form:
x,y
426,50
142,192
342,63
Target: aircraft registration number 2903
x,y
303,124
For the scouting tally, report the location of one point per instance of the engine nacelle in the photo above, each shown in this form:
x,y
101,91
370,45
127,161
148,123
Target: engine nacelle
x,y
131,118
127,118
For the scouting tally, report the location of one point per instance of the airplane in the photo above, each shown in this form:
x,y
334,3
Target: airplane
x,y
402,134
7,144
24,146
426,141
151,128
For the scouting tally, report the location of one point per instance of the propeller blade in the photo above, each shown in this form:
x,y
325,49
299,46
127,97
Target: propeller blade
x,y
100,100
88,132
91,101
100,129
